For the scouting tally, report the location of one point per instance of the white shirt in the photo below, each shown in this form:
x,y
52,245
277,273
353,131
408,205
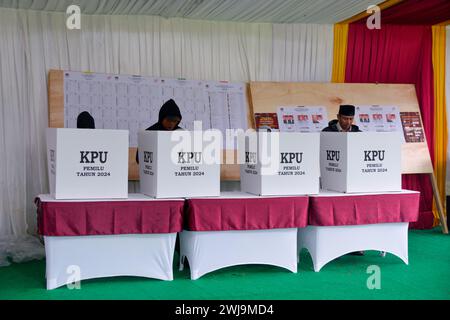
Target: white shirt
x,y
342,130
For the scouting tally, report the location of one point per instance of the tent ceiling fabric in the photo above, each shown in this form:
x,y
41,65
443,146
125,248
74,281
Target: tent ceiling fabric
x,y
272,11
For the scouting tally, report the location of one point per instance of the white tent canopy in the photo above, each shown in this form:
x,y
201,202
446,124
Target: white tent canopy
x,y
274,11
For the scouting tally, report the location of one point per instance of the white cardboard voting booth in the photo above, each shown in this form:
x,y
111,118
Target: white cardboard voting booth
x,y
280,163
87,163
179,163
360,161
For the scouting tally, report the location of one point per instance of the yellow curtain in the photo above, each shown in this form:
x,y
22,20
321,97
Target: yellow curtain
x,y
440,115
339,52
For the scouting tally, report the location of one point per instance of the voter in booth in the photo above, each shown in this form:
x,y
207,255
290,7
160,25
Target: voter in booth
x,y
168,120
169,117
85,121
344,121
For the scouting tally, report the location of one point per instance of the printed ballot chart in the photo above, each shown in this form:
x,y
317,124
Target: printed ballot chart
x,y
132,102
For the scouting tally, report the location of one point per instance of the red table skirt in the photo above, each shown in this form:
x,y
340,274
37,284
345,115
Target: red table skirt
x,y
246,213
363,209
67,218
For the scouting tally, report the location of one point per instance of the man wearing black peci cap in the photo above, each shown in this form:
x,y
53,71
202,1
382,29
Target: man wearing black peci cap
x,y
168,120
344,121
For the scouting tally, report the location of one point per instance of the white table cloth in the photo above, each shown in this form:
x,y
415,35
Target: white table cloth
x,y
326,243
73,258
207,251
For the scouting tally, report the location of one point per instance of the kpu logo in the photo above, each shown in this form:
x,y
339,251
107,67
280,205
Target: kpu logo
x,y
333,155
374,155
189,157
148,157
250,157
290,157
92,156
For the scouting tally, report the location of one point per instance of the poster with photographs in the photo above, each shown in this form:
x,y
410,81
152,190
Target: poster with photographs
x,y
266,122
302,118
286,116
319,118
378,118
412,127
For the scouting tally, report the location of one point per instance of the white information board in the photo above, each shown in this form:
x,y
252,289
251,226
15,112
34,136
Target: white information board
x,y
132,102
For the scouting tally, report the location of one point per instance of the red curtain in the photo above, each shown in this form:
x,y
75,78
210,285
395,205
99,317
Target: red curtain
x,y
417,12
398,54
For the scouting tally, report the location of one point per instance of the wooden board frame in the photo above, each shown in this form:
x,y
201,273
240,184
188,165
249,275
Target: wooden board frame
x,y
266,97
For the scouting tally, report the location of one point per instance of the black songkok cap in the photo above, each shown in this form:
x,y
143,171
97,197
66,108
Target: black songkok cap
x,y
347,110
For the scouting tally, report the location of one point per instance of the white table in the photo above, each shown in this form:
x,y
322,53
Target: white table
x,y
87,257
326,243
75,258
207,251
